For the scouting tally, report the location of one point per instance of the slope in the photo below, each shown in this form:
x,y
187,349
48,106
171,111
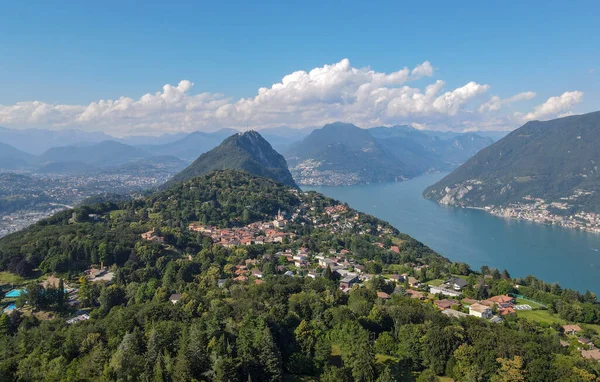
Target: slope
x,y
247,151
550,160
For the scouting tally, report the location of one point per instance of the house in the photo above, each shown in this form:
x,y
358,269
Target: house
x,y
584,341
502,299
481,311
256,273
289,273
413,282
348,281
571,329
153,236
445,304
397,278
221,283
496,320
383,295
241,278
52,282
415,294
506,311
469,301
443,291
175,297
454,313
312,274
324,263
591,354
258,282
395,248
456,283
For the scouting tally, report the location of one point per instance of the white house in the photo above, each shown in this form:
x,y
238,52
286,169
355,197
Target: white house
x,y
443,291
481,311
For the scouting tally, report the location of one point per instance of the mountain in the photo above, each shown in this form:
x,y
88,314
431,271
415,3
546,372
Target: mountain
x,y
12,158
342,153
192,145
67,167
37,141
163,139
554,160
424,151
247,151
106,153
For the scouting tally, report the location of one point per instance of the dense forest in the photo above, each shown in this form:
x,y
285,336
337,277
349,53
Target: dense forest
x,y
173,311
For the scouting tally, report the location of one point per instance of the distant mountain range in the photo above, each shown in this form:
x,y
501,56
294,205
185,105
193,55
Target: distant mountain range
x,y
247,151
191,145
555,160
343,154
392,153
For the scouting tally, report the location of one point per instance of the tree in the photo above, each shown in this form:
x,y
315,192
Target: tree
x,y
511,370
269,356
465,364
61,296
110,297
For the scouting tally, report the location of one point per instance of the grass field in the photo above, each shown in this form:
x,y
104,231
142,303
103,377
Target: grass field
x,y
542,316
436,282
116,213
532,304
10,278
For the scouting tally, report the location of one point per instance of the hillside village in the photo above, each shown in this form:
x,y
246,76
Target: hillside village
x,y
413,279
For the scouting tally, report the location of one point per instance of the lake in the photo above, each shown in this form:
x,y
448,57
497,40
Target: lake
x,y
569,257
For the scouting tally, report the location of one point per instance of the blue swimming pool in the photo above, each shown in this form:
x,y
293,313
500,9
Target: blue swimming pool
x,y
10,308
14,293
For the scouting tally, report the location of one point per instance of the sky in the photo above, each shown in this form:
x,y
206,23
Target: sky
x,y
127,67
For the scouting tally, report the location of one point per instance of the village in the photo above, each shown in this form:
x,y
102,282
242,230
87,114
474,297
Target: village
x,y
339,265
541,211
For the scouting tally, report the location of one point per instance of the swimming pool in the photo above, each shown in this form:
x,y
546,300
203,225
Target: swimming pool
x,y
14,293
10,308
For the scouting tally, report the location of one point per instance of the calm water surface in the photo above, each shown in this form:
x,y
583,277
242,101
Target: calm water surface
x,y
569,257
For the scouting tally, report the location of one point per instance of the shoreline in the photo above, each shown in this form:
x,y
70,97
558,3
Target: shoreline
x,y
505,213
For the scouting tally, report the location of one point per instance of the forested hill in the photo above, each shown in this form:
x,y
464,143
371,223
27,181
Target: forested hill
x,y
344,151
186,303
344,154
247,151
549,160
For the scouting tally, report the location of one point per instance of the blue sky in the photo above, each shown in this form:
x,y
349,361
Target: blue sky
x,y
74,53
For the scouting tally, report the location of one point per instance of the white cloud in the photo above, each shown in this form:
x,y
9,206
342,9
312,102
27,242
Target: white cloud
x,y
303,98
423,70
495,103
553,106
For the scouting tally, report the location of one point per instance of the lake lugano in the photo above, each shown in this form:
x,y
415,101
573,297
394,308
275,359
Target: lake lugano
x,y
566,256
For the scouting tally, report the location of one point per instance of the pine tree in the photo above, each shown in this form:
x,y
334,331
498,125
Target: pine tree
x,y
269,356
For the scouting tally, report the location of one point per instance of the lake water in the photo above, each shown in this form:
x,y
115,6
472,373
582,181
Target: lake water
x,y
569,257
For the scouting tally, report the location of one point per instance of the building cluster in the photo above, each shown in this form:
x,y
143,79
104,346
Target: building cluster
x,y
256,233
584,345
37,196
541,211
308,172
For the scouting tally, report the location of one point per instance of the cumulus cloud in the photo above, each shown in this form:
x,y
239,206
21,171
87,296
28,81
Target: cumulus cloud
x,y
553,106
303,98
495,103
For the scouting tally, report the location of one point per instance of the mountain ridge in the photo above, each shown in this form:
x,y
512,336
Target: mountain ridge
x,y
247,151
550,160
